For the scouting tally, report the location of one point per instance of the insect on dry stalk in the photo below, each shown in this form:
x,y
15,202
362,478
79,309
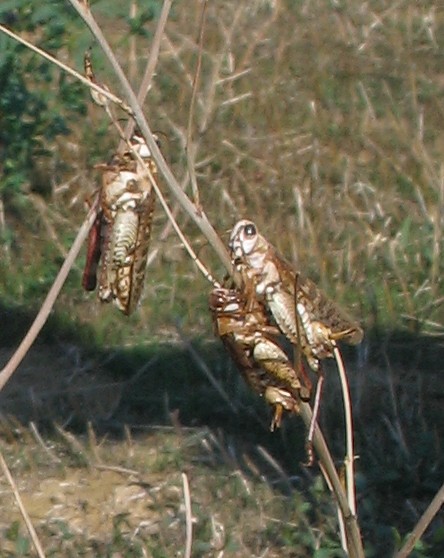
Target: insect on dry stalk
x,y
303,313
251,342
120,236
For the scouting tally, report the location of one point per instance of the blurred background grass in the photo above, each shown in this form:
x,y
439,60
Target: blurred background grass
x,y
322,121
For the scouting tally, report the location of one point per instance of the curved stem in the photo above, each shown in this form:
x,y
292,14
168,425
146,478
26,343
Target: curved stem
x,y
188,516
426,518
50,299
349,461
65,68
354,542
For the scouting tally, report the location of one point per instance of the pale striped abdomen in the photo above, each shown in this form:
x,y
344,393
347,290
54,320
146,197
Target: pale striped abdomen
x,y
124,236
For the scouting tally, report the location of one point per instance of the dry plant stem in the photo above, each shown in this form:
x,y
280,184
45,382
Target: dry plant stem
x,y
349,460
190,147
41,442
188,516
354,542
66,68
132,56
197,216
425,520
151,64
316,405
29,525
342,533
49,301
201,267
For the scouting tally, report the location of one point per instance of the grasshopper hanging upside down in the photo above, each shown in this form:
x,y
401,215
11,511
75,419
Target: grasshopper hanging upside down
x,y
247,335
119,238
302,312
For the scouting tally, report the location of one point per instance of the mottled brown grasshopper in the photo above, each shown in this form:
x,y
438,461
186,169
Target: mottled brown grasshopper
x,y
245,331
120,236
303,313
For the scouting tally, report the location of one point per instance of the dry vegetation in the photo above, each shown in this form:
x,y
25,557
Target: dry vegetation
x,y
324,122
95,497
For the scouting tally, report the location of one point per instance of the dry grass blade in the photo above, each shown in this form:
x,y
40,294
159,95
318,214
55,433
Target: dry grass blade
x,y
188,516
434,507
49,301
29,525
190,147
151,64
34,430
349,460
73,445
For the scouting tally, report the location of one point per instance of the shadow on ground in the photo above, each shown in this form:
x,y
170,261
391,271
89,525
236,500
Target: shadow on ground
x,y
396,391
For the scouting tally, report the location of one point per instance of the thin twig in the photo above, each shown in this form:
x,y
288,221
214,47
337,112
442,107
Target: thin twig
x,y
188,516
206,370
49,301
201,267
349,460
74,445
190,146
117,469
151,64
342,533
40,441
67,69
18,499
132,55
425,520
354,542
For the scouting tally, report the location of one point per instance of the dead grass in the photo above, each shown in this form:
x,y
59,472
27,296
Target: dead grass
x,y
322,122
147,416
98,497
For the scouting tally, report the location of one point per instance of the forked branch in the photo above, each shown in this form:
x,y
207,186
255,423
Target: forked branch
x,y
199,217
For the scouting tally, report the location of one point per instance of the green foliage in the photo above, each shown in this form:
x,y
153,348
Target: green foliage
x,y
37,103
149,12
21,543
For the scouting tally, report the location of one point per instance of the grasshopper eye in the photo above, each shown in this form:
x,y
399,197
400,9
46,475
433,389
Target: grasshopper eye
x,y
250,230
132,185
